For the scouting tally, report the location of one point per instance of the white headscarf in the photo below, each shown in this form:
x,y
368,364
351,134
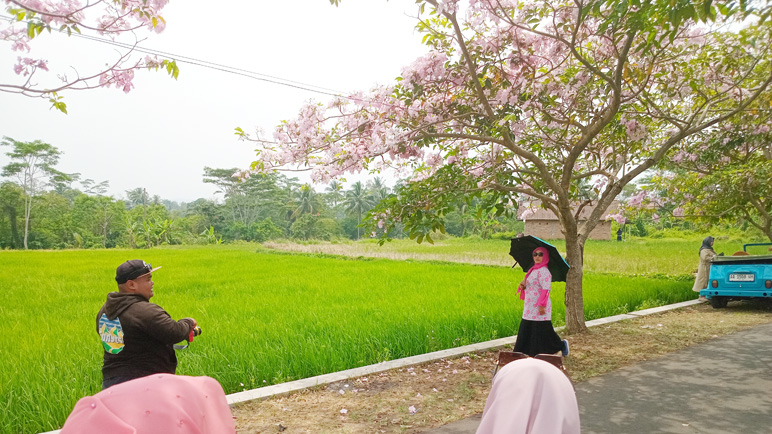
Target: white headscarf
x,y
530,396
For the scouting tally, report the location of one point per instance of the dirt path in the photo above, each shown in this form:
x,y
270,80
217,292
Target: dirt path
x,y
375,251
410,400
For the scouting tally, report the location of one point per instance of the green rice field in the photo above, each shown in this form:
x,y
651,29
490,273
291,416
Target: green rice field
x,y
269,318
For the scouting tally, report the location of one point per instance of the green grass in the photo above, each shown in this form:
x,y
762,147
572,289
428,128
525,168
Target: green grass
x,y
268,318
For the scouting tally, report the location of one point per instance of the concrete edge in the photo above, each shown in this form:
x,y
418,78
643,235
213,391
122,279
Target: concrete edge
x,y
293,386
666,308
305,383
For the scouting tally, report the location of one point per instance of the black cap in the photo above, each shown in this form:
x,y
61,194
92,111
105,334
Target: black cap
x,y
130,270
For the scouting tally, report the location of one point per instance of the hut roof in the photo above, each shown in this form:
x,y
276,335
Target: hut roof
x,y
545,214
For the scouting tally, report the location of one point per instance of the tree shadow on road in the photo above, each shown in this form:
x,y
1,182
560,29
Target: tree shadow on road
x,y
721,386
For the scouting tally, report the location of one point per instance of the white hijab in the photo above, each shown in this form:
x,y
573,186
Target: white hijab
x,y
530,396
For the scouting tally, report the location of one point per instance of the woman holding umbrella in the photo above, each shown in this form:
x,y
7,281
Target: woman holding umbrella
x,y
536,334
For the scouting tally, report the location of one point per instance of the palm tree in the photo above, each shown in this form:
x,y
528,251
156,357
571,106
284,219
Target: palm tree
x,y
378,189
307,202
333,192
137,196
357,200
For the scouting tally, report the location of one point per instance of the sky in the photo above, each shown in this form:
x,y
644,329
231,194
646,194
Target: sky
x,y
162,134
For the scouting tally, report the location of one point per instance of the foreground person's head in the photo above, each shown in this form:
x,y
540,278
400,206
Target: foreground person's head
x,y
530,396
156,404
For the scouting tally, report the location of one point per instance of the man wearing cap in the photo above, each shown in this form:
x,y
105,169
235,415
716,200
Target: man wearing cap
x,y
137,336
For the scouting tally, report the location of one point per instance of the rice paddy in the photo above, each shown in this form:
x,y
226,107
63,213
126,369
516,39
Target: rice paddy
x,y
269,318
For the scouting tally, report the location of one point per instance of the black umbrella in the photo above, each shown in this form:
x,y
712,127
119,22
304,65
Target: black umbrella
x,y
522,250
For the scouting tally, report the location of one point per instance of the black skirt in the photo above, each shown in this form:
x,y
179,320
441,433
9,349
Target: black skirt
x,y
537,337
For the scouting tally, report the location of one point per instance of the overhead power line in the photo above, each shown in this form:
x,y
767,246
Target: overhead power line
x,y
207,64
216,66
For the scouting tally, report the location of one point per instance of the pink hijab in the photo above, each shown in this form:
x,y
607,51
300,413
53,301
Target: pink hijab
x,y
530,396
545,260
156,404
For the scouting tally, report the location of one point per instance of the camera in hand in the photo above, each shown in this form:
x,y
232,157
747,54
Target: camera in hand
x,y
196,331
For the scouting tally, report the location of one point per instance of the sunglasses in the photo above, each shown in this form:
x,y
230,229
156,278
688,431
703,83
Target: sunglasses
x,y
535,254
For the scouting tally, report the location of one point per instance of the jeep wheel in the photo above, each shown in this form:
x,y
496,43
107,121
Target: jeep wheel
x,y
718,302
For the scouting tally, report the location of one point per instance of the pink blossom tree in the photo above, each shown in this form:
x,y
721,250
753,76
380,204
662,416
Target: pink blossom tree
x,y
530,99
723,174
30,18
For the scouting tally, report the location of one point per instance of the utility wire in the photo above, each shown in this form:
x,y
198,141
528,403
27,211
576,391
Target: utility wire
x,y
215,66
224,68
206,64
218,67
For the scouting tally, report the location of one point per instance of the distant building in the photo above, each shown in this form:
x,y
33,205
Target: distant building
x,y
544,223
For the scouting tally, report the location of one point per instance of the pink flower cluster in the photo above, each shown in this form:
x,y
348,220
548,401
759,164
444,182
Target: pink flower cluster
x,y
527,212
26,66
447,6
619,218
114,17
636,131
122,79
17,36
761,129
684,156
53,12
425,69
637,200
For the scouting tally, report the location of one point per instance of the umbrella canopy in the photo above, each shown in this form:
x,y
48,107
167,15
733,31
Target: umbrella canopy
x,y
523,247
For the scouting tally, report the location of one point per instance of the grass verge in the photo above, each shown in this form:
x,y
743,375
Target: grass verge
x,y
411,400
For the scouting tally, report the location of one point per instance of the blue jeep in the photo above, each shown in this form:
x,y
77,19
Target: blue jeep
x,y
739,277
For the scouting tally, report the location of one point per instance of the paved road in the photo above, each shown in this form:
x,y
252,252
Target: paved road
x,y
723,386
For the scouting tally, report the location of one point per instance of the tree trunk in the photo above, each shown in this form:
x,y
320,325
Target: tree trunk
x,y
574,299
764,223
359,217
104,233
27,212
767,228
106,217
12,220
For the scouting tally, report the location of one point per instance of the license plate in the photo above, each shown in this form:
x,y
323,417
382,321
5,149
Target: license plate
x,y
742,278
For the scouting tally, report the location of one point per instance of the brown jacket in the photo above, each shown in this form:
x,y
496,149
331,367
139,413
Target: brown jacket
x,y
138,336
703,270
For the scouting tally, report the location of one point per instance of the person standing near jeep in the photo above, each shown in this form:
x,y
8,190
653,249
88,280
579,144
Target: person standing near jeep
x,y
137,336
703,269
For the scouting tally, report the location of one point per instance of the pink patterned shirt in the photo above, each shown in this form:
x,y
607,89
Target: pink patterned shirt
x,y
538,280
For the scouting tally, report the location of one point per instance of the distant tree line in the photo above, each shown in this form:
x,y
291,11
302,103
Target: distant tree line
x,y
44,208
